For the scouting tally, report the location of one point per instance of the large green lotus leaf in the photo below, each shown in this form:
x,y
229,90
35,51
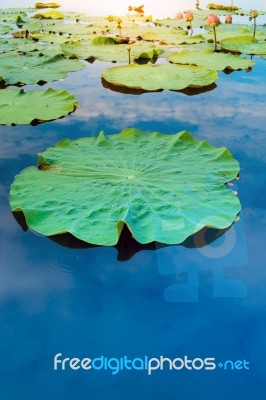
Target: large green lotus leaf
x,y
76,16
19,107
116,53
244,44
33,26
16,11
7,45
73,29
51,38
11,14
173,37
226,31
104,40
28,46
4,29
179,23
156,77
49,15
163,187
113,24
221,7
29,69
211,60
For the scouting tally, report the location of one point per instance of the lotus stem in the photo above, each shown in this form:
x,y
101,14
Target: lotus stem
x,y
129,54
254,29
191,29
215,39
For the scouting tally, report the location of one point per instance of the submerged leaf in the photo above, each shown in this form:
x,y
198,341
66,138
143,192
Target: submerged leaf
x,y
152,78
163,187
19,107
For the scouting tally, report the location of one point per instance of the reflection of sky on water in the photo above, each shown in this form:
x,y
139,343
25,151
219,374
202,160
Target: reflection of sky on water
x,y
86,303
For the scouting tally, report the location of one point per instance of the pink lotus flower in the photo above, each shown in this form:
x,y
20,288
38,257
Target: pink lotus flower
x,y
189,16
179,15
213,20
253,13
228,19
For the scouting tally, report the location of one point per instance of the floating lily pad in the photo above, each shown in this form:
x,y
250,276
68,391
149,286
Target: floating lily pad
x,y
197,22
244,44
30,69
33,26
73,29
4,29
47,5
116,53
210,59
173,37
163,187
54,39
152,78
226,31
8,45
19,107
49,15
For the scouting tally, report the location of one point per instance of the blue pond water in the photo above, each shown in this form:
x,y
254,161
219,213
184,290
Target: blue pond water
x,y
166,301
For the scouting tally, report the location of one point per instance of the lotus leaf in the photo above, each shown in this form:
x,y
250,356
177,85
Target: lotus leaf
x,y
4,29
13,44
27,46
173,37
221,7
244,44
211,60
71,29
163,187
226,31
33,26
117,53
47,5
19,107
156,77
29,69
179,23
51,38
49,15
104,40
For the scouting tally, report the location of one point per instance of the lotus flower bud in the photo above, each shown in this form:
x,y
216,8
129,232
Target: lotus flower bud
x,y
189,16
228,19
213,20
253,13
179,15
